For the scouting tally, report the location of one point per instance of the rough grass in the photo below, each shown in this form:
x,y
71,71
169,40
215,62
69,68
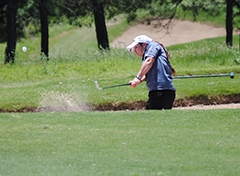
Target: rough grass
x,y
73,72
75,63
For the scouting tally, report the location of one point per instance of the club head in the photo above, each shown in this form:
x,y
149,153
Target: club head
x,y
96,84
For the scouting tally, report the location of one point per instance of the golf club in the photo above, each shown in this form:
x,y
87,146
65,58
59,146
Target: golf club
x,y
100,88
231,75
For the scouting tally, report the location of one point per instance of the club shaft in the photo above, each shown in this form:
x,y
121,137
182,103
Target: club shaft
x,y
119,85
231,75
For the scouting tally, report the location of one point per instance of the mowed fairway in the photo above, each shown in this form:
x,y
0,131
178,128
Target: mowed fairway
x,y
135,143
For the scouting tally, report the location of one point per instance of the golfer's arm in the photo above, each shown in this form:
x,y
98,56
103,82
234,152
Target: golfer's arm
x,y
146,66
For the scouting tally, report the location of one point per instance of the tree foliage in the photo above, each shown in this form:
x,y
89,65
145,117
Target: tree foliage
x,y
75,11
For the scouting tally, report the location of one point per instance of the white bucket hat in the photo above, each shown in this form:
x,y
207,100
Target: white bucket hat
x,y
137,40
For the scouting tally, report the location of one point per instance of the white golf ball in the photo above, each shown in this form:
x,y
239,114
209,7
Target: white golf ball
x,y
24,48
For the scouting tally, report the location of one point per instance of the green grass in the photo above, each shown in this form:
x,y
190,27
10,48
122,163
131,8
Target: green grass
x,y
72,72
204,17
206,56
136,143
75,63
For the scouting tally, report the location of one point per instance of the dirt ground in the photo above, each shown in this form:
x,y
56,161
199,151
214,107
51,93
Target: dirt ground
x,y
193,103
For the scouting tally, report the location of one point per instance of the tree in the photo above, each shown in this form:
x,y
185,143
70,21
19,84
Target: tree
x,y
3,5
229,26
11,31
212,8
74,9
229,19
44,28
101,29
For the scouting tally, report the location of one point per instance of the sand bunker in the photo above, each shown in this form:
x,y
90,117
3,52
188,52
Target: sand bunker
x,y
178,32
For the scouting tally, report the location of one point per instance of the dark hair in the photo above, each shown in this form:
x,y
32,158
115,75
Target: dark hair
x,y
168,57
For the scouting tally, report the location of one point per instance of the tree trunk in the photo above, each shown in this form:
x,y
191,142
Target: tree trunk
x,y
11,31
229,19
101,29
44,28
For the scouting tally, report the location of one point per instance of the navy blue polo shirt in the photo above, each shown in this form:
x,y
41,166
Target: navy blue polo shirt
x,y
159,77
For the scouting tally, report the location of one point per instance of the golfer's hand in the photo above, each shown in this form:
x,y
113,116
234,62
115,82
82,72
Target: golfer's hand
x,y
134,83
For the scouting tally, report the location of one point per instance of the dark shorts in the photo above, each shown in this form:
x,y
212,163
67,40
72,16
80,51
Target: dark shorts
x,y
161,99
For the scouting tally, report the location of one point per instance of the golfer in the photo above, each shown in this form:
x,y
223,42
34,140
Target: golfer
x,y
155,70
